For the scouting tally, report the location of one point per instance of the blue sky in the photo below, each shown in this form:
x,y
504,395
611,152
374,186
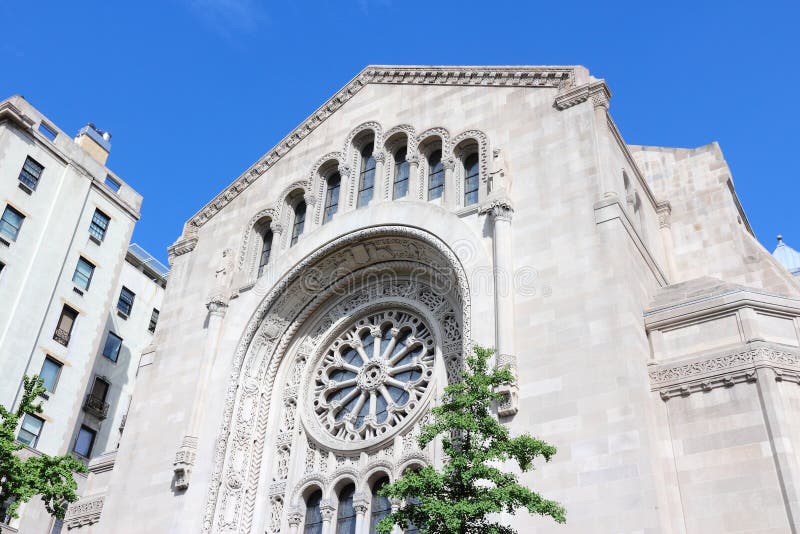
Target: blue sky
x,y
194,91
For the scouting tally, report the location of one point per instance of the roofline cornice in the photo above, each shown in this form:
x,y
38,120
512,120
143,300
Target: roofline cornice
x,y
550,77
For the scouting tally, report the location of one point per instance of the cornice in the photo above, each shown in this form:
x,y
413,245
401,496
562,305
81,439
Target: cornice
x,y
598,91
725,369
9,111
180,247
552,77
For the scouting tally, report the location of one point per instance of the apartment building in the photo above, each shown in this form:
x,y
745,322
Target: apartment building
x,y
80,302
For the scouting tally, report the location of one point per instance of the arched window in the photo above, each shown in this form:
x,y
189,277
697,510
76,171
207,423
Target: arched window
x,y
435,175
366,180
346,514
266,249
471,173
380,507
400,174
313,522
299,221
334,182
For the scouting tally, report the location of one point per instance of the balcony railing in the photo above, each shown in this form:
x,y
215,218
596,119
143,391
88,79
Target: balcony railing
x,y
96,406
62,336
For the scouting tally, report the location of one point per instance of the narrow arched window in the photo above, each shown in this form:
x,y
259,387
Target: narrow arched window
x,y
380,507
266,249
334,182
471,173
435,175
313,522
400,174
366,180
299,221
346,514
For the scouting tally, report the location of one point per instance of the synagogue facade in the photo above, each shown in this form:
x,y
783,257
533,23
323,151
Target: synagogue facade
x,y
318,306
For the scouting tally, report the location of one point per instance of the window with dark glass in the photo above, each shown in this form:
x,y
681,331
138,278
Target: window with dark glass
x,y
380,507
299,221
112,346
51,370
11,222
82,276
125,302
334,182
366,180
65,323
99,225
153,321
346,514
31,172
313,520
85,441
400,174
471,173
435,175
31,430
100,389
266,250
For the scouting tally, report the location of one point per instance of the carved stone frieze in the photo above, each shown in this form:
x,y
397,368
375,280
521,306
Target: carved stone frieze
x,y
597,91
84,512
184,462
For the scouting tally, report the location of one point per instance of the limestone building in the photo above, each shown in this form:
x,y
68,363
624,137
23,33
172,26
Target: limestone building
x,y
80,303
320,303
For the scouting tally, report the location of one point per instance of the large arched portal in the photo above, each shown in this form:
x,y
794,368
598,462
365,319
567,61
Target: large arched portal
x,y
333,376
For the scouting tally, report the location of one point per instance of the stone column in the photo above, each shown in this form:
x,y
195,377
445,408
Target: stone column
x,y
396,504
361,505
184,458
328,512
501,211
664,210
311,213
295,517
413,176
277,243
599,95
377,191
345,188
449,199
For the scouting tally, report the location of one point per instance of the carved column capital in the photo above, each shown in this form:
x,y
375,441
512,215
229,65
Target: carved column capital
x,y
344,170
276,227
360,503
327,510
664,210
380,157
600,95
309,199
217,305
449,163
412,159
295,516
499,208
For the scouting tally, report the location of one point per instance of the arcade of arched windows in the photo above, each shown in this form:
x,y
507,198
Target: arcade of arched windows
x,y
373,166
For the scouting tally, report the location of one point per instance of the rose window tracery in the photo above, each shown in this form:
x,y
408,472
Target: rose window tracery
x,y
374,375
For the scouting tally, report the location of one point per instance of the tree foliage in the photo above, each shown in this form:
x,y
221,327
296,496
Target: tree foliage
x,y
471,487
49,477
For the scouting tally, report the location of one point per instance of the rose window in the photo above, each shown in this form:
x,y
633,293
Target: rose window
x,y
373,376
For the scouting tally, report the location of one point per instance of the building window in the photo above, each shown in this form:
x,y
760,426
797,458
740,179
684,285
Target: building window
x,y
99,225
400,174
47,131
85,441
380,507
299,221
65,324
366,180
346,514
435,175
31,430
10,223
471,172
112,346
125,302
332,197
266,249
313,522
83,274
95,403
153,321
30,173
112,183
51,370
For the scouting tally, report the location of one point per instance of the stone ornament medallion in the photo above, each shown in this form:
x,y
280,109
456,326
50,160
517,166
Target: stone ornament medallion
x,y
371,380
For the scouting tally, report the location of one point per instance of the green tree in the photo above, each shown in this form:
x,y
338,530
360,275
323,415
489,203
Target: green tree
x,y
50,477
471,485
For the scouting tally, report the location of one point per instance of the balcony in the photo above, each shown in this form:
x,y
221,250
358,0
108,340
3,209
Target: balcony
x,y
96,406
62,336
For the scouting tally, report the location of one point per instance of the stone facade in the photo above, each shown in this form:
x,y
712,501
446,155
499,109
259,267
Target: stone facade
x,y
59,184
654,341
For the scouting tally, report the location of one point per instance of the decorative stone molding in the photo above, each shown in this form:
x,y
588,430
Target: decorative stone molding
x,y
217,305
84,512
664,211
722,370
182,246
499,208
597,91
184,461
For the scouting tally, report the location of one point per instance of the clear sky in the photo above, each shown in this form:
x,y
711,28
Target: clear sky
x,y
194,91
